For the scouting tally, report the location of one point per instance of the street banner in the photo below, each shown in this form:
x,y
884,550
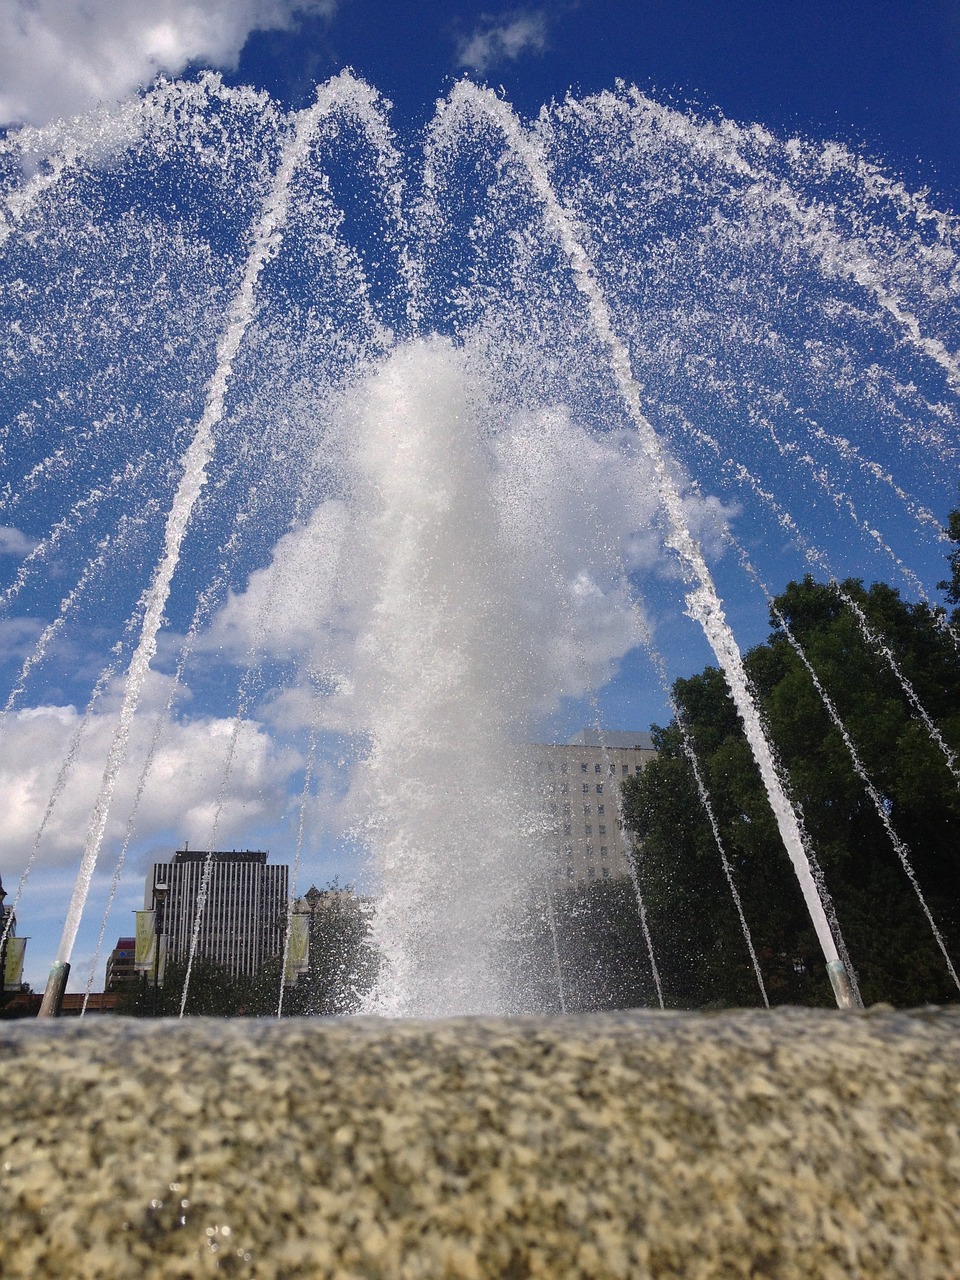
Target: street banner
x,y
298,950
13,969
143,956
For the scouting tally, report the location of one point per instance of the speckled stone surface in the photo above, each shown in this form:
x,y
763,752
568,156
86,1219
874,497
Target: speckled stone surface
x,y
789,1144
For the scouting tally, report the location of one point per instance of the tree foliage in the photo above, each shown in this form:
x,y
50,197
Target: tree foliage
x,y
342,959
700,944
951,586
341,970
586,940
604,961
213,993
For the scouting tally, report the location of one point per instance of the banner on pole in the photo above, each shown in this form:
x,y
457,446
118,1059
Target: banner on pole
x,y
146,939
13,969
298,948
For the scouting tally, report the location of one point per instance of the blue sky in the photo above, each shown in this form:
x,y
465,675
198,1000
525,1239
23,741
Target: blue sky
x,y
884,74
880,78
875,71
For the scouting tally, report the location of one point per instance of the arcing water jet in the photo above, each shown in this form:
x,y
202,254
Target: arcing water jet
x,y
380,358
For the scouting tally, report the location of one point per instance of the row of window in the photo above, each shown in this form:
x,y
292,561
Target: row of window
x,y
548,766
565,787
604,851
587,809
587,826
591,873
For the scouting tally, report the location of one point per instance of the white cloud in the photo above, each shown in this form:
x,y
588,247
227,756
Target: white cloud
x,y
503,38
278,613
18,637
59,58
181,790
15,543
571,514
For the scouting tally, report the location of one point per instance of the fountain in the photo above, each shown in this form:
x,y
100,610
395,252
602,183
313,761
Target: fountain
x,y
397,450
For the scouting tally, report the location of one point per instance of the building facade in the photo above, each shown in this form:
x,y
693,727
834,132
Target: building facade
x,y
241,902
11,949
579,783
120,964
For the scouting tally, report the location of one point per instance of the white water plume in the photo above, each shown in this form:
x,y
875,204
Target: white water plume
x,y
445,674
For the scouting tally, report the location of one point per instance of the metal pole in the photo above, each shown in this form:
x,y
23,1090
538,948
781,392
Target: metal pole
x,y
842,987
159,897
52,1001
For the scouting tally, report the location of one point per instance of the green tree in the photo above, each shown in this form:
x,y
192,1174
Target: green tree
x,y
604,961
342,964
951,586
342,968
704,957
601,958
214,992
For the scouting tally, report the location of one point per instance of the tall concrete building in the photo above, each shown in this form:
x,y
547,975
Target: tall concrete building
x,y
244,907
579,787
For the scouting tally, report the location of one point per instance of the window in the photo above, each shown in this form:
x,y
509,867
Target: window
x,y
567,830
591,872
566,811
583,766
601,808
586,810
564,788
637,768
569,873
596,768
554,807
588,829
563,766
602,829
625,768
586,788
613,771
599,788
605,872
589,850
603,850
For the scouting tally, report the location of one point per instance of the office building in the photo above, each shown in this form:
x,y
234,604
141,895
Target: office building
x,y
579,787
120,964
241,901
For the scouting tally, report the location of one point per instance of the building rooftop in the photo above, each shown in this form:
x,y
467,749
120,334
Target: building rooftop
x,y
633,738
220,855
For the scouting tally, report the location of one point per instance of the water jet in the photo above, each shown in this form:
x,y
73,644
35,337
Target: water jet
x,y
347,403
384,451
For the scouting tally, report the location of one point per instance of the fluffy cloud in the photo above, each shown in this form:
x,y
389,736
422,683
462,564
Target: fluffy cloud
x,y
58,59
181,790
15,543
503,38
499,541
18,637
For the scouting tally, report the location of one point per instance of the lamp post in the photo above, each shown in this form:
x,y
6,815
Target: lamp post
x,y
159,897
